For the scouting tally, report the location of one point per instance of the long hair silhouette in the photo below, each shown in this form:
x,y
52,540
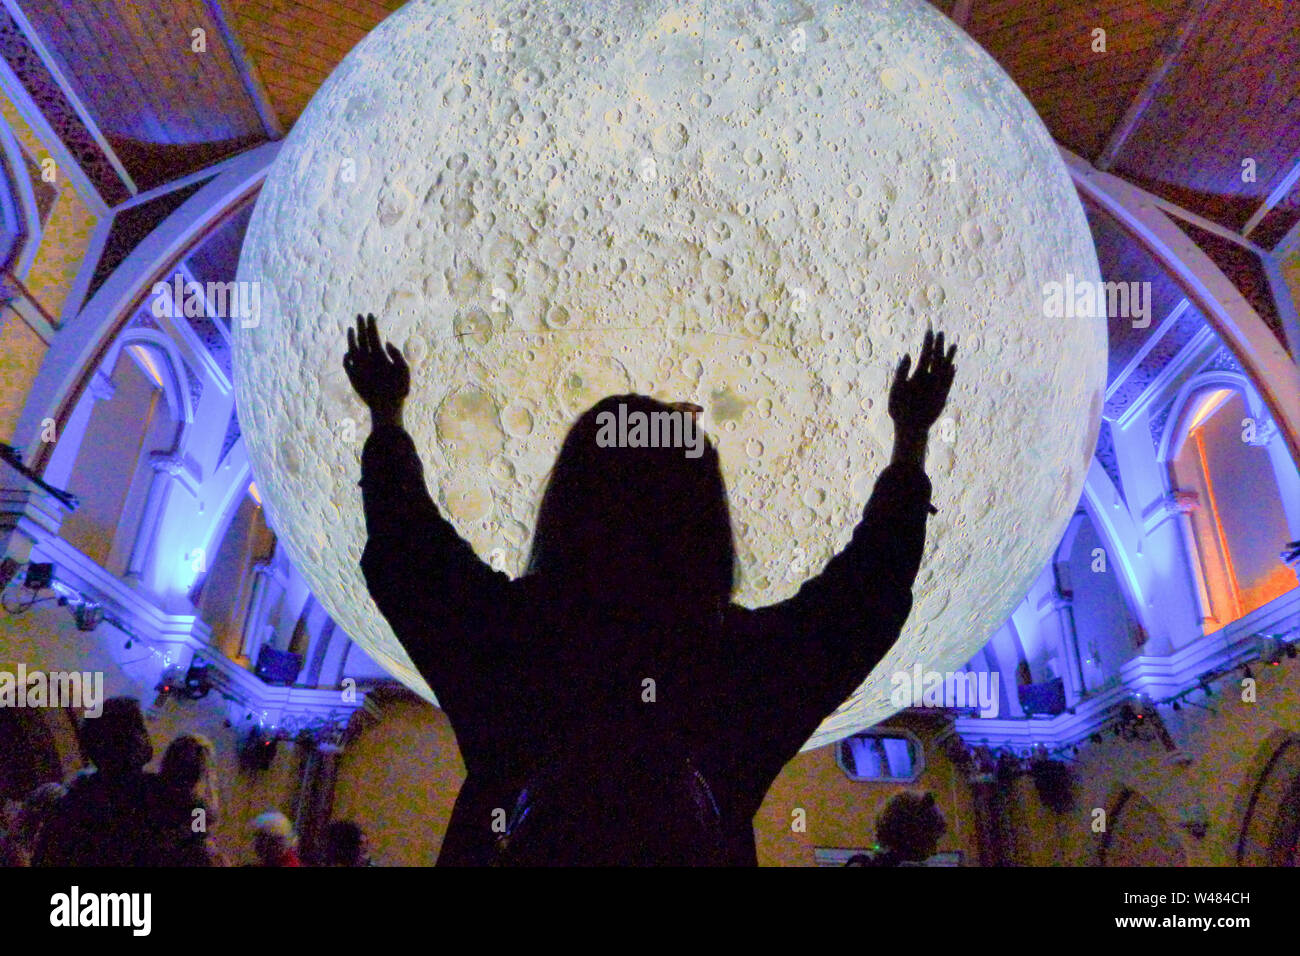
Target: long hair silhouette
x,y
651,520
612,705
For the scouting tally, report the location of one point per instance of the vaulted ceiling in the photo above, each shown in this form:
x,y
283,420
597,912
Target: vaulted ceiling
x,y
1196,101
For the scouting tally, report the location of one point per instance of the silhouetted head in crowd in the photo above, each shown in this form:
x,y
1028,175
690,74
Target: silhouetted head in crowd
x,y
189,767
18,848
345,844
274,840
625,523
117,741
910,826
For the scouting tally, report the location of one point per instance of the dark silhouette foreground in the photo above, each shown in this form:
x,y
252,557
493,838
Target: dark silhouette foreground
x,y
612,705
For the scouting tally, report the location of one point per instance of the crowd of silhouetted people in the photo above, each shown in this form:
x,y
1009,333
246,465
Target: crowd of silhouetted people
x,y
117,813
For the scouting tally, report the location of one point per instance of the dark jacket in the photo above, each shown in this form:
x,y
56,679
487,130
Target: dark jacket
x,y
548,694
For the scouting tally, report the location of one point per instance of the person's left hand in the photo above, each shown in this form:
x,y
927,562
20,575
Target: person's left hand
x,y
915,403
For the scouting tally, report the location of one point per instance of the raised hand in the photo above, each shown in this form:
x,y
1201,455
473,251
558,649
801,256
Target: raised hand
x,y
915,403
377,371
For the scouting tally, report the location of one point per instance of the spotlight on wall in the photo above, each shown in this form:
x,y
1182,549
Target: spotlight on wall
x,y
88,616
39,576
197,684
8,568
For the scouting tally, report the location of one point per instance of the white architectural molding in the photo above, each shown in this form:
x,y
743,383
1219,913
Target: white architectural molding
x,y
1159,678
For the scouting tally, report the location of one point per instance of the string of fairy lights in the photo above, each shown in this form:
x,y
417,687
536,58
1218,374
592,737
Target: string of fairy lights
x,y
90,614
1137,717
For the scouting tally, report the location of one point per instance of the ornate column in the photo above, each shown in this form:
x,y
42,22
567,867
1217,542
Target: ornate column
x,y
318,653
167,468
1063,604
266,591
1182,503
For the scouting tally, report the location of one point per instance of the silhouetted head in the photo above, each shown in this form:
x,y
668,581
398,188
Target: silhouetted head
x,y
116,741
274,838
187,760
345,844
911,825
631,514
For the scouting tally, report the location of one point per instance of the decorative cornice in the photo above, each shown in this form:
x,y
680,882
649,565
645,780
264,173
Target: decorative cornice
x,y
173,465
101,387
1106,457
1156,364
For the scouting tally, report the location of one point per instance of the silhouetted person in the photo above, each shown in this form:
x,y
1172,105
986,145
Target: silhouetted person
x,y
613,706
274,840
908,830
105,818
345,845
186,804
18,846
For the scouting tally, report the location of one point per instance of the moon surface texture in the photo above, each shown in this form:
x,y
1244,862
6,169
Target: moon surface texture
x,y
752,206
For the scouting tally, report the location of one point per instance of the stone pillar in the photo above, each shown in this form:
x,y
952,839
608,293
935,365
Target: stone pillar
x,y
1063,604
318,653
266,591
301,636
1181,503
167,469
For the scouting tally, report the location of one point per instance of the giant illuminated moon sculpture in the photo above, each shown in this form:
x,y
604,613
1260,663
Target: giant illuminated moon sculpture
x,y
754,206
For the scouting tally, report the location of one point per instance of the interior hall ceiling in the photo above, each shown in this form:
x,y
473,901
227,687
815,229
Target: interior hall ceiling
x,y
1186,92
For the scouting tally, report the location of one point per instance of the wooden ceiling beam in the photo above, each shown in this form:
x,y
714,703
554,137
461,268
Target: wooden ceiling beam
x,y
1279,193
1197,12
66,87
247,70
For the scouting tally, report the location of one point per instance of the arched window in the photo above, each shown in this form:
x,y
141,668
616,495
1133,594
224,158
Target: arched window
x,y
229,586
882,756
1237,521
1270,832
130,420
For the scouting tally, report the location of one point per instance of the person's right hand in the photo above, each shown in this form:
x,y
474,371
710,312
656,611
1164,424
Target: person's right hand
x,y
377,371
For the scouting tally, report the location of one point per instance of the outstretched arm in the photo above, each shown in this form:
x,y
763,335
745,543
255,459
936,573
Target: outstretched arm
x,y
428,582
829,636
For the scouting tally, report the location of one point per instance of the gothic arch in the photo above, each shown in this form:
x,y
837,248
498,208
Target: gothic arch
x,y
174,372
1137,833
1175,433
1268,806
